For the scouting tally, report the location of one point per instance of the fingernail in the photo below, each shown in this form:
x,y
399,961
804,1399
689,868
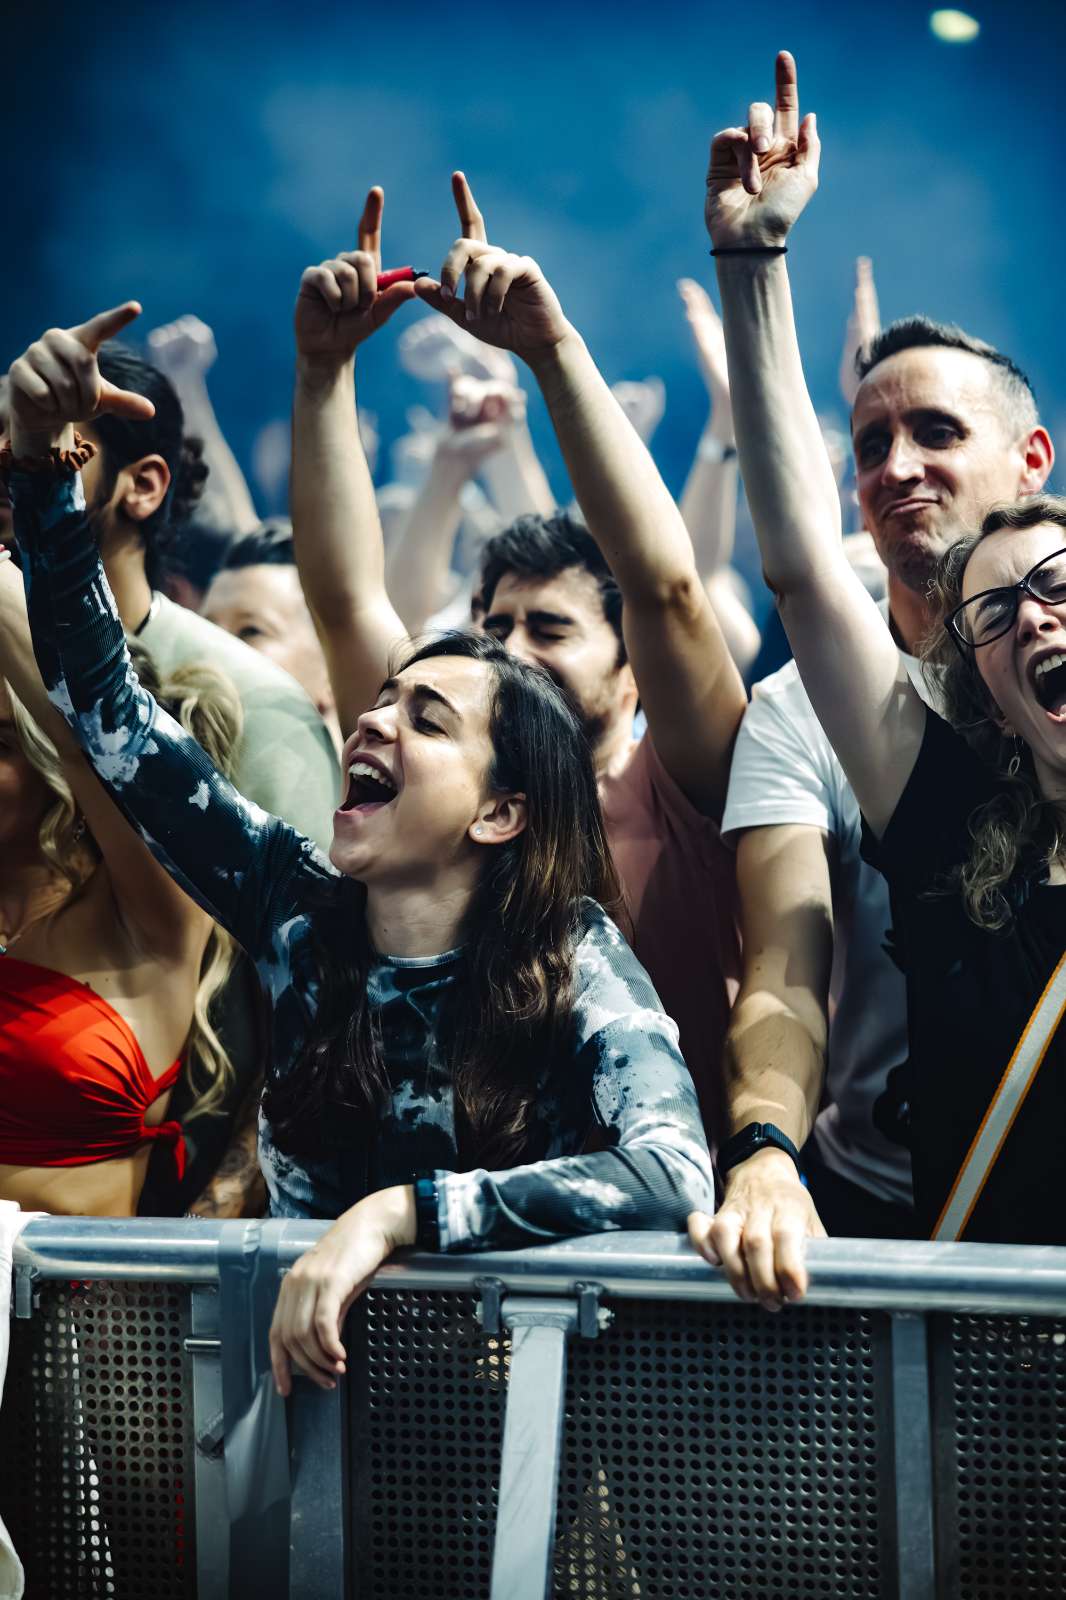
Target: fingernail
x,y
761,144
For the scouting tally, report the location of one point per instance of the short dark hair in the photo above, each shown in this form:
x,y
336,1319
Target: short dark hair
x,y
542,547
269,545
124,440
196,551
915,333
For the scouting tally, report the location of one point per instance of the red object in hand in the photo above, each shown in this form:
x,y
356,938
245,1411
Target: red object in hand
x,y
398,275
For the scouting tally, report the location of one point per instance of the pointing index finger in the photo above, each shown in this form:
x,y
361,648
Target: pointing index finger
x,y
370,224
471,222
105,325
786,114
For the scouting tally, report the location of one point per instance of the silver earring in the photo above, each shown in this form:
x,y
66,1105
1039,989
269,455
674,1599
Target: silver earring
x,y
1014,765
479,830
77,833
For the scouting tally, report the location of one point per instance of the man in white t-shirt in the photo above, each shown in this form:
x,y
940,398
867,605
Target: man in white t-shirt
x,y
934,417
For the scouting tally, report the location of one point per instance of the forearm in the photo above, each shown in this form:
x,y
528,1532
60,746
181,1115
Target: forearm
x,y
419,561
226,497
516,481
237,1188
775,1066
336,532
656,1170
337,538
18,664
628,509
709,501
787,475
652,1188
220,849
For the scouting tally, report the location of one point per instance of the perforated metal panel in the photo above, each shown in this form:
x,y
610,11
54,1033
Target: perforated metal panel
x,y
96,1431
999,1394
717,1451
426,1425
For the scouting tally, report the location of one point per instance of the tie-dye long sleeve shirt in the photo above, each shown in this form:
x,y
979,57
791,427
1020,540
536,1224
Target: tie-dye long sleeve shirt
x,y
621,1084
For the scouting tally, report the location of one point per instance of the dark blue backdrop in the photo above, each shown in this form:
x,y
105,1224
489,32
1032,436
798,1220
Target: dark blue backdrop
x,y
199,156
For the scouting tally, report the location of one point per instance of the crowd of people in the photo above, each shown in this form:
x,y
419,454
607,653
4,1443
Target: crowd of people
x,y
470,870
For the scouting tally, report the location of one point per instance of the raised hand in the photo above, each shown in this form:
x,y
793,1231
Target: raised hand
x,y
339,304
481,418
436,351
761,177
507,302
184,346
57,382
708,336
864,324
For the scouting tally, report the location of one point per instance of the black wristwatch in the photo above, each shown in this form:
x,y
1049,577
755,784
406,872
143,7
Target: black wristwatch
x,y
756,1136
427,1222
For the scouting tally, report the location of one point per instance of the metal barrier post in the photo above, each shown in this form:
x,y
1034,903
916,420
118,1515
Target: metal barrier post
x,y
532,1439
256,1442
212,1524
913,1451
318,1526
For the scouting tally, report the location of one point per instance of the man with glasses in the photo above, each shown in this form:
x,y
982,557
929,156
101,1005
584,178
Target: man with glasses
x,y
942,426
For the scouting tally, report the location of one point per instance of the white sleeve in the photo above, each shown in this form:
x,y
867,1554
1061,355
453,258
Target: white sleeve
x,y
784,770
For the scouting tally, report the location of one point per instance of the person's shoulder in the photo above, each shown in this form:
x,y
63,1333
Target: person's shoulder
x,y
175,636
610,984
782,691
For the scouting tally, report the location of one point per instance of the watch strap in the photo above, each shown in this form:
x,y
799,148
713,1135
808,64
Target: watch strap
x,y
427,1216
750,1140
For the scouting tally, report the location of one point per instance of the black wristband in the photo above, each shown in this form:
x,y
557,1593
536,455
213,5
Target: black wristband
x,y
750,1140
752,250
427,1218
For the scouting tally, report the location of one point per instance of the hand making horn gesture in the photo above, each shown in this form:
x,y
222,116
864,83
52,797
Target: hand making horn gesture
x,y
761,177
507,300
57,383
339,303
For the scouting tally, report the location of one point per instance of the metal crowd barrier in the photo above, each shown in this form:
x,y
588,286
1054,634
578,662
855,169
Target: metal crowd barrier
x,y
598,1419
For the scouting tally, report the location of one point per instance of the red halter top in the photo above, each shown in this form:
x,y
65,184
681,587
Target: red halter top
x,y
74,1084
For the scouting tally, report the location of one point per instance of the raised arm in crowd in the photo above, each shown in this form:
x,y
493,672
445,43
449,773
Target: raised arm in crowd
x,y
613,613
962,824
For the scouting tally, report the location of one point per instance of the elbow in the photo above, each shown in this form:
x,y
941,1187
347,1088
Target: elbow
x,y
678,596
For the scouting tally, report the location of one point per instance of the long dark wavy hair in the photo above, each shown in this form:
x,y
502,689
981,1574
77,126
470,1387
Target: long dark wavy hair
x,y
1017,826
511,1007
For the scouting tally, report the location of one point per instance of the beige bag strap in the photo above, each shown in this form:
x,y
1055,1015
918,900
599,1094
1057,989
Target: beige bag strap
x,y
1007,1101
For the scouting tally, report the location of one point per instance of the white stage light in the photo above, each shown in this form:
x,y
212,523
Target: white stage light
x,y
954,27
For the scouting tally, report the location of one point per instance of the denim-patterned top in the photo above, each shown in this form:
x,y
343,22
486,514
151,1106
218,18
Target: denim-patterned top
x,y
621,1079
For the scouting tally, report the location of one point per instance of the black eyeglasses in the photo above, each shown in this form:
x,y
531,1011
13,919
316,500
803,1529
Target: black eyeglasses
x,y
990,614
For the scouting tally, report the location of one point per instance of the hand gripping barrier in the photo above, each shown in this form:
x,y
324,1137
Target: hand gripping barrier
x,y
597,1419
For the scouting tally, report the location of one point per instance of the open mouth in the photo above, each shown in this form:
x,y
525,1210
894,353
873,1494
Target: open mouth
x,y
1049,684
368,788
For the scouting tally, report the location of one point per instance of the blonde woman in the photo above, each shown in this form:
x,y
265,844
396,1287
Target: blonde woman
x,y
107,968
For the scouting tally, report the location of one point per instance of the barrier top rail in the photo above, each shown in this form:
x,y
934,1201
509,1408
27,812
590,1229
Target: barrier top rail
x,y
891,1275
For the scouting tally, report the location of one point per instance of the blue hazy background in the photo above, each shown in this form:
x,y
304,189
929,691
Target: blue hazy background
x,y
199,156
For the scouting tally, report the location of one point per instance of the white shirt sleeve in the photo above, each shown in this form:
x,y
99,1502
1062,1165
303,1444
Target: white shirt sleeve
x,y
784,770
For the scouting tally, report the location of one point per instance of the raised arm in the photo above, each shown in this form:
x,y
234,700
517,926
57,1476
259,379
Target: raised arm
x,y
145,897
185,350
775,1060
481,417
709,498
760,180
689,686
228,854
336,530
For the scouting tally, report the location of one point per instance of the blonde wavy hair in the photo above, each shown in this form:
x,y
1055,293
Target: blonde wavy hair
x,y
207,706
1017,825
